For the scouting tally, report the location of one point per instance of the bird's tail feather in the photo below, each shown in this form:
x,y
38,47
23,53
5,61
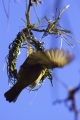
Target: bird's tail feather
x,y
12,94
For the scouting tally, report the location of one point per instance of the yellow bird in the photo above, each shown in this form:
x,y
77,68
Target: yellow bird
x,y
34,67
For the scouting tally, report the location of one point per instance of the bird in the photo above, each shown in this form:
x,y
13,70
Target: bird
x,y
34,67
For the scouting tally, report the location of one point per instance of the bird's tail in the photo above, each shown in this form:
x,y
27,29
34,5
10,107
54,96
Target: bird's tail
x,y
12,94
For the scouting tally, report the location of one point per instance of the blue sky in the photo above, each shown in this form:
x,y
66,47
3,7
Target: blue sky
x,y
41,107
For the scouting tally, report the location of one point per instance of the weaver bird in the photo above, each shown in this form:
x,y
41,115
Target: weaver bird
x,y
34,67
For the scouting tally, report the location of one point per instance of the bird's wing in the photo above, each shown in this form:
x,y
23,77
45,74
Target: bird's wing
x,y
50,58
